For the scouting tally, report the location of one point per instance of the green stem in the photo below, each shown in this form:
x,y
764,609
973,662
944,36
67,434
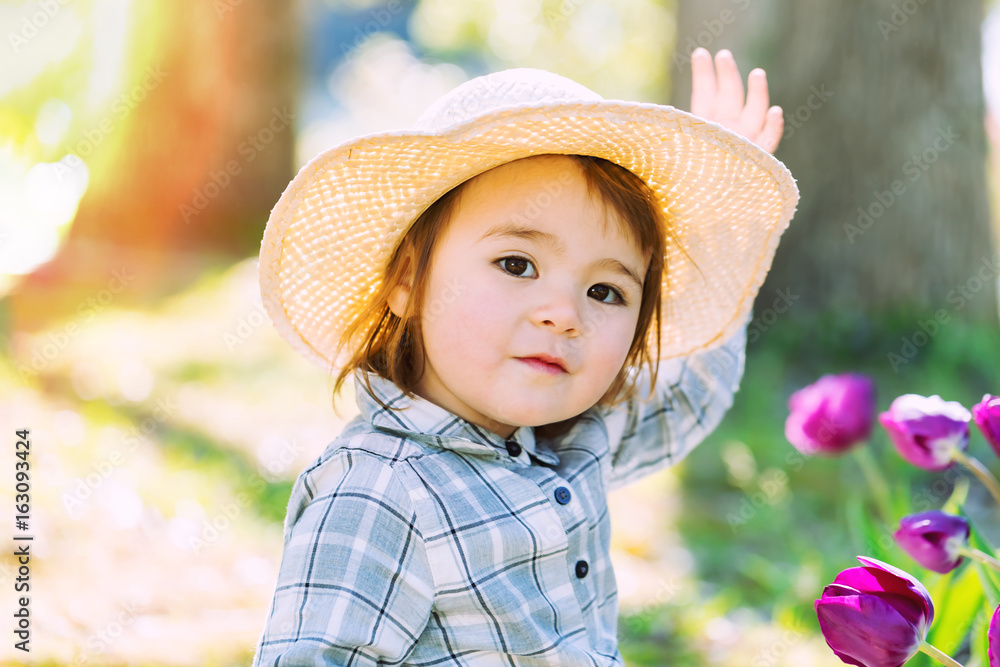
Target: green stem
x,y
943,658
876,480
981,556
979,470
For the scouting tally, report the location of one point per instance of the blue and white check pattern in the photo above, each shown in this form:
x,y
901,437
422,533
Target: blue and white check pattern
x,y
418,538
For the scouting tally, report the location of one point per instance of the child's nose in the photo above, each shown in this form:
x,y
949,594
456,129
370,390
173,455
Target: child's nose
x,y
561,309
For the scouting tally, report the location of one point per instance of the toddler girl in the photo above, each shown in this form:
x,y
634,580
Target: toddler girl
x,y
501,283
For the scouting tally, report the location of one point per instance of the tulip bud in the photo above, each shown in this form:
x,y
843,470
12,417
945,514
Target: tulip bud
x,y
986,414
875,615
831,415
933,539
925,430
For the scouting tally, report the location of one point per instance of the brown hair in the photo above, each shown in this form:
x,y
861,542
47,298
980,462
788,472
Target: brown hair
x,y
392,346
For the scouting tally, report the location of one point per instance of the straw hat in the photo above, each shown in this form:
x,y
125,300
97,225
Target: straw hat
x,y
337,223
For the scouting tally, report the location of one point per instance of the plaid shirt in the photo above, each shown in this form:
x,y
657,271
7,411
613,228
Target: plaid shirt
x,y
419,538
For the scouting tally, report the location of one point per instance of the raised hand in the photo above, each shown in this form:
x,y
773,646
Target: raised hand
x,y
722,101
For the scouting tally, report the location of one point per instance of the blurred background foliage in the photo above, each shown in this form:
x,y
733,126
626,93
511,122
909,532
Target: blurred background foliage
x,y
144,142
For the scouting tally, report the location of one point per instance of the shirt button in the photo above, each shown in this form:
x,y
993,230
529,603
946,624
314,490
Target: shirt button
x,y
513,448
563,495
581,569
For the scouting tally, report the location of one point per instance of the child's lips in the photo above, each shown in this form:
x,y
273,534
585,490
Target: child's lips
x,y
544,366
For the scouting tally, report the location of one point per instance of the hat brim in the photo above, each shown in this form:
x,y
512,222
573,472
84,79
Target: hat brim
x,y
338,221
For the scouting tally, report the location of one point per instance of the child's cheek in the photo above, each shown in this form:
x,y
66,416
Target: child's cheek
x,y
607,336
612,356
483,307
623,332
465,316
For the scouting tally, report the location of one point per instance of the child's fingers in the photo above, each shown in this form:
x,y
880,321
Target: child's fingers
x,y
702,83
729,102
774,125
752,118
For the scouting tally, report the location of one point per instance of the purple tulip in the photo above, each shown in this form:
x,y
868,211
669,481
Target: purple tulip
x,y
831,415
933,539
993,638
925,429
875,615
986,413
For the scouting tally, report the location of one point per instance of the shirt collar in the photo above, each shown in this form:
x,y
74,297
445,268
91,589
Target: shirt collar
x,y
419,419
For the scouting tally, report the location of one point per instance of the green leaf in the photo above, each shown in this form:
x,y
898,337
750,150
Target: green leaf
x,y
939,590
954,504
957,601
976,538
869,537
989,578
980,639
989,582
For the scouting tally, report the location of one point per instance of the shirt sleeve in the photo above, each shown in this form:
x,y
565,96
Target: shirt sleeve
x,y
354,586
693,394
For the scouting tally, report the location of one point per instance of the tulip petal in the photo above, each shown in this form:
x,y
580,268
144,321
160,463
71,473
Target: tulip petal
x,y
838,590
843,656
832,415
926,445
867,629
854,405
846,659
933,539
796,434
901,441
905,603
804,399
915,406
993,636
896,581
859,579
875,581
937,427
925,429
986,414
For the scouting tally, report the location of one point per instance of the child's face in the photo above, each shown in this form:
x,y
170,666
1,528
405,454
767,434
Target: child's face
x,y
479,319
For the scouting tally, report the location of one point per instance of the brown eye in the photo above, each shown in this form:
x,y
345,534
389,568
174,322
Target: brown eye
x,y
514,265
603,291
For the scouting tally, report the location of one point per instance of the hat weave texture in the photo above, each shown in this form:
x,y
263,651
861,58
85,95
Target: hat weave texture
x,y
330,235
